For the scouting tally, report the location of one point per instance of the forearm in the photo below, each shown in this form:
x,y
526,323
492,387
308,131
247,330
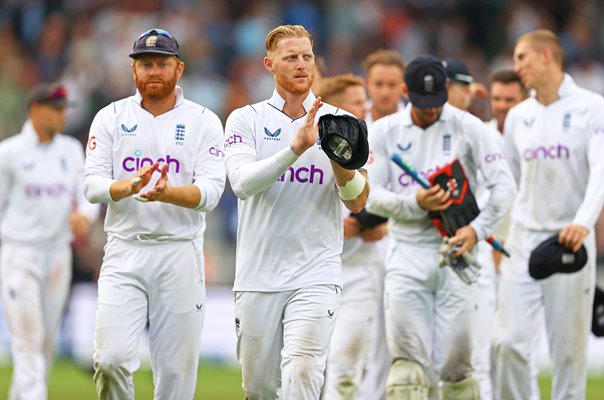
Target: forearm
x,y
344,178
121,189
387,204
188,196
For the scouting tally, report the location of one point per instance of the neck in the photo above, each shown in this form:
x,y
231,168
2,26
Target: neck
x,y
293,107
44,136
548,92
159,106
377,114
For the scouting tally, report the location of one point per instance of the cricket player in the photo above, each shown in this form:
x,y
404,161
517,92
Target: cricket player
x,y
361,258
157,160
42,208
429,309
553,143
288,269
384,80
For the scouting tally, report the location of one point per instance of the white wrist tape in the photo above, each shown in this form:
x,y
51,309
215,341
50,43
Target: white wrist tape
x,y
353,187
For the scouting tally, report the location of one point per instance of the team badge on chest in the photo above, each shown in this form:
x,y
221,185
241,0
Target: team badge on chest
x,y
180,134
447,143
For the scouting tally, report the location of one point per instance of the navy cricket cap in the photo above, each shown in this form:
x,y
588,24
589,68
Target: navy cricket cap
x,y
426,81
551,257
52,94
155,41
458,72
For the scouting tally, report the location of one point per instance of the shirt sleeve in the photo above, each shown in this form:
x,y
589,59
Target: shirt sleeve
x,y
209,174
98,169
248,175
499,181
90,211
5,174
383,201
590,208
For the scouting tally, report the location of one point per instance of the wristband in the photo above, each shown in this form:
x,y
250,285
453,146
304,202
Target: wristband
x,y
353,187
286,157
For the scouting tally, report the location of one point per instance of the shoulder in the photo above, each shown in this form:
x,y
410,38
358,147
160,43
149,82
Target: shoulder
x,y
9,144
250,111
68,141
589,98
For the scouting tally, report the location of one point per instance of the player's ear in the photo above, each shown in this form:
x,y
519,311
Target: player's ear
x,y
404,89
268,64
180,68
133,66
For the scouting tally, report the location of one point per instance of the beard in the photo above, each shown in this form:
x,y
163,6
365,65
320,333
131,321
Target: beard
x,y
293,87
151,90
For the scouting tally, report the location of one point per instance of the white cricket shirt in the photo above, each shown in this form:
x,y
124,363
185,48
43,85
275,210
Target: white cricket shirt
x,y
555,152
40,186
125,137
290,234
456,135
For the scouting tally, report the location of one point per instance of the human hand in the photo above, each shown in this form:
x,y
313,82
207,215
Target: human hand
x,y
465,238
434,198
142,178
159,189
352,227
309,132
376,233
79,224
572,236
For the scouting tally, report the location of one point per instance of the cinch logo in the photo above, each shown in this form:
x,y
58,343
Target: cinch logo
x,y
216,152
493,157
303,175
553,152
135,163
233,139
38,191
405,180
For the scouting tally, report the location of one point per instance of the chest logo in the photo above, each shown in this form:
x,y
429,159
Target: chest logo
x,y
179,136
529,122
129,131
404,148
272,135
447,143
566,121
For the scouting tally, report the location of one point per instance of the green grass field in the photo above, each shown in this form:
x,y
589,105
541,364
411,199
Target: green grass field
x,y
215,382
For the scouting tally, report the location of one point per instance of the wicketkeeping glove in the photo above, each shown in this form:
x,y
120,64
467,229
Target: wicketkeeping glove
x,y
465,266
463,208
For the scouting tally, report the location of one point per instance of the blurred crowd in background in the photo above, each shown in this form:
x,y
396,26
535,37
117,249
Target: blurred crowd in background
x,y
85,44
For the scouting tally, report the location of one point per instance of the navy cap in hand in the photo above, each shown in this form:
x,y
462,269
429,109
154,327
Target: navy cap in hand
x,y
155,41
551,257
426,81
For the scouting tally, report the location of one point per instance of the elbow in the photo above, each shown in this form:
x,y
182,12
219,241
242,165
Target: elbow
x,y
90,194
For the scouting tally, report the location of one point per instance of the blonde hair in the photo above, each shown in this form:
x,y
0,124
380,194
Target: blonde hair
x,y
384,57
285,31
333,86
541,38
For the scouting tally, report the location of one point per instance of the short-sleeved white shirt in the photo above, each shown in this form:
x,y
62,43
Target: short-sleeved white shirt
x,y
125,137
289,235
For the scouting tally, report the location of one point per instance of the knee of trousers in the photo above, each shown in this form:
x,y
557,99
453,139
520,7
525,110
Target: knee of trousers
x,y
406,381
467,389
111,362
506,351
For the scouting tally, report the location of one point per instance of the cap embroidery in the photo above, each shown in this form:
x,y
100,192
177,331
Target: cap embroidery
x,y
428,83
150,42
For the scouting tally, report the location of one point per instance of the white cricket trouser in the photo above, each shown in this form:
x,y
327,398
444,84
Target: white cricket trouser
x,y
34,284
429,313
283,340
566,301
484,321
373,384
159,283
348,350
